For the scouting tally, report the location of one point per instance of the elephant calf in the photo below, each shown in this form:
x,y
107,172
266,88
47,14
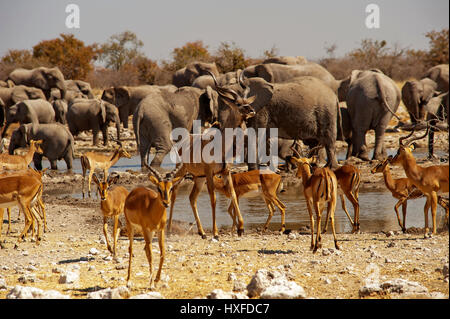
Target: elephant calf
x,y
93,114
57,143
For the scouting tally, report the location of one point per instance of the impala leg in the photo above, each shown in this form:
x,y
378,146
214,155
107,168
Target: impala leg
x,y
105,232
232,215
2,211
317,208
198,184
130,232
425,212
397,205
282,209
404,208
162,250
28,220
212,198
37,218
173,197
332,206
116,232
354,200
311,220
148,236
271,209
44,215
9,220
237,211
434,199
91,172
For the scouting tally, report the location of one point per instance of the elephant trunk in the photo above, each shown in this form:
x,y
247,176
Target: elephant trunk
x,y
117,122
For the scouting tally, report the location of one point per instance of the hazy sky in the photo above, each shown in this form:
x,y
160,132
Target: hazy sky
x,y
294,27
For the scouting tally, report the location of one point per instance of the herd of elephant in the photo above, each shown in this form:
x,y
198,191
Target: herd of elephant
x,y
299,97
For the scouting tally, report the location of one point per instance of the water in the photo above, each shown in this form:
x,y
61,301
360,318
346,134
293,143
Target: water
x,y
376,208
376,211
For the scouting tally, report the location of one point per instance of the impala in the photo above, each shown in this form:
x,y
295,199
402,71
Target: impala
x,y
349,179
264,181
319,188
430,180
239,111
22,190
401,188
20,162
146,209
112,204
92,161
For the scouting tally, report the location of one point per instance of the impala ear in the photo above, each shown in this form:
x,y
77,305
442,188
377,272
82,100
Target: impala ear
x,y
412,147
177,180
113,179
95,179
153,179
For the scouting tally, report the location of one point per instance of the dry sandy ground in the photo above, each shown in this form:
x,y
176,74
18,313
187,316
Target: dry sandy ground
x,y
194,266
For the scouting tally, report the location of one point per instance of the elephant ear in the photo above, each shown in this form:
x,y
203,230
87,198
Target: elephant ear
x,y
264,71
213,102
27,131
39,80
122,95
262,90
353,76
19,94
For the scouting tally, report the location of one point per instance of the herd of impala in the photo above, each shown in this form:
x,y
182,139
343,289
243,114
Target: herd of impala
x,y
145,208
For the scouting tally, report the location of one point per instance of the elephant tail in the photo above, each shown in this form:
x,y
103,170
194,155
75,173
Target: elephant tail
x,y
136,127
383,96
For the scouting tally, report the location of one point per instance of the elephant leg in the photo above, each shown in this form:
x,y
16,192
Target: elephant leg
x,y
144,149
163,145
53,164
104,130
358,143
68,159
379,142
37,160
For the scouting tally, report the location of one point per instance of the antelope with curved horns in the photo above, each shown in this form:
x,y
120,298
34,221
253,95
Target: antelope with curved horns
x,y
146,209
240,110
92,161
430,180
319,188
20,162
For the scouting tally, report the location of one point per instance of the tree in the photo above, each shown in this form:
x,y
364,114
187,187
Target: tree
x,y
121,49
438,53
68,53
229,57
190,52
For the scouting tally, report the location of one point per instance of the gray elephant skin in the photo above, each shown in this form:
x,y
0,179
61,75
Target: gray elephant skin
x,y
161,112
439,74
186,76
437,111
29,111
93,114
415,95
203,81
127,98
372,99
42,78
286,60
57,143
16,94
278,73
60,107
306,110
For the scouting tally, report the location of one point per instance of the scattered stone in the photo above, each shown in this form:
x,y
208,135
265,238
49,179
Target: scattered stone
x,y
69,277
121,292
273,285
148,295
93,251
220,294
27,278
239,285
21,292
3,284
402,286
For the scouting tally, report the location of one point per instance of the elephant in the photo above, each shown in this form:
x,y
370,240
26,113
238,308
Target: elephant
x,y
60,107
80,86
57,143
162,111
415,95
29,111
286,60
437,111
372,99
228,78
306,110
16,94
42,77
278,73
439,74
187,75
92,114
126,98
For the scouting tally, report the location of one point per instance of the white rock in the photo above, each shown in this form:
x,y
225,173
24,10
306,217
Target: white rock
x,y
284,290
403,286
20,292
273,285
93,251
108,293
220,294
69,277
149,295
3,284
